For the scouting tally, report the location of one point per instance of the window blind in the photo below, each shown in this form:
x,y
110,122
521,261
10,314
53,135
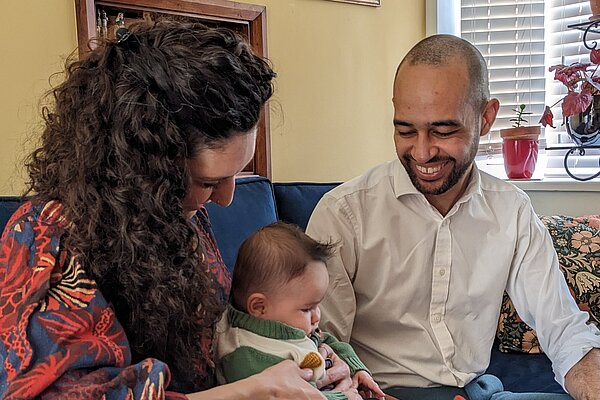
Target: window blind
x,y
565,46
510,36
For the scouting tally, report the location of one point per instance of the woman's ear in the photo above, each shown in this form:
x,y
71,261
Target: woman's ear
x,y
257,305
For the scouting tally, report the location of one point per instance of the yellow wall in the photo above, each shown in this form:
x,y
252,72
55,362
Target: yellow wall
x,y
336,64
332,112
35,39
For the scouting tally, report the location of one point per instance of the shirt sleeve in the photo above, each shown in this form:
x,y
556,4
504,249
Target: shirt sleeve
x,y
59,337
542,298
333,222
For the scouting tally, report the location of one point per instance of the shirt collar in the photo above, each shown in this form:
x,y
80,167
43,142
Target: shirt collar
x,y
402,183
404,186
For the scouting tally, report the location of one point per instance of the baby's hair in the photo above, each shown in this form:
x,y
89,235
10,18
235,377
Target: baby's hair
x,y
273,256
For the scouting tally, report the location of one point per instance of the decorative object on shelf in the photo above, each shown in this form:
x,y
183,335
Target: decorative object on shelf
x,y
520,146
121,32
103,25
98,24
581,104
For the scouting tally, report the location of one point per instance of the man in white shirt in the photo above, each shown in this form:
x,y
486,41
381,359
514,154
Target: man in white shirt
x,y
427,244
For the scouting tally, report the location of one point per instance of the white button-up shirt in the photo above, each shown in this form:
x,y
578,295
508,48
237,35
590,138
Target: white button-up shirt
x,y
418,294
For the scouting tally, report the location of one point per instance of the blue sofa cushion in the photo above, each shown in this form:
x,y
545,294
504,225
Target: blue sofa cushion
x,y
252,208
296,200
522,372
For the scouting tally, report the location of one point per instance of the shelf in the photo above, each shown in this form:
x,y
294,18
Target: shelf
x,y
573,147
588,26
571,151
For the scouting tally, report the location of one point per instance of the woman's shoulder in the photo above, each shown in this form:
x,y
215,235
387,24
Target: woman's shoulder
x,y
33,226
32,212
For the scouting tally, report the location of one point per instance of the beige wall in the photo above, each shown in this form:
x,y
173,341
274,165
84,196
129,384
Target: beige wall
x,y
336,64
35,39
332,112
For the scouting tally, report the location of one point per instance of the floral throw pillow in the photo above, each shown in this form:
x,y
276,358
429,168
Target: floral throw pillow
x,y
577,243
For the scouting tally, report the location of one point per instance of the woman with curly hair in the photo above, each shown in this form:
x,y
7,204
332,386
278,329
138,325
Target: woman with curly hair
x,y
110,279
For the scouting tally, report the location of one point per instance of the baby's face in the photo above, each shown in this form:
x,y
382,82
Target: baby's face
x,y
297,302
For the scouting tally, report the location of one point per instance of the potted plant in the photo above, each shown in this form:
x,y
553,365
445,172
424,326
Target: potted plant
x,y
520,146
581,104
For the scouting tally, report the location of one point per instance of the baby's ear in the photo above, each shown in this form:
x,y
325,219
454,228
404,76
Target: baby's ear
x,y
257,305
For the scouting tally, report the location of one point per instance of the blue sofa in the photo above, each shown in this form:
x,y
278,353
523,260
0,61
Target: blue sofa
x,y
258,202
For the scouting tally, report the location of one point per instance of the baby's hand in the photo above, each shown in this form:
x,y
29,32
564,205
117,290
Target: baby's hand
x,y
366,385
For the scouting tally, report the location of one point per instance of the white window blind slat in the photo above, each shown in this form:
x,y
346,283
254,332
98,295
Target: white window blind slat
x,y
520,40
510,34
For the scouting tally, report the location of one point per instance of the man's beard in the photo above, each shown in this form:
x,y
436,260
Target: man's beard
x,y
458,171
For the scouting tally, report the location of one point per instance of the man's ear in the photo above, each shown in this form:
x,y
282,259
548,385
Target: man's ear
x,y
257,304
489,116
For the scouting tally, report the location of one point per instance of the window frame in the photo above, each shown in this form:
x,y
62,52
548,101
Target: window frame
x,y
443,17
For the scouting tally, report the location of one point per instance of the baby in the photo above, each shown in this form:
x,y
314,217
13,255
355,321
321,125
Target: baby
x,y
279,279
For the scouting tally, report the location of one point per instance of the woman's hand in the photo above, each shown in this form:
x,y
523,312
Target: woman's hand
x,y
284,381
338,374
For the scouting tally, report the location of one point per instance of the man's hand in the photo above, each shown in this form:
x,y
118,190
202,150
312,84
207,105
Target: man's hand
x,y
366,386
583,380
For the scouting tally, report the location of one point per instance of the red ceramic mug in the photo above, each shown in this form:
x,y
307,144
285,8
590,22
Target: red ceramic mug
x,y
520,157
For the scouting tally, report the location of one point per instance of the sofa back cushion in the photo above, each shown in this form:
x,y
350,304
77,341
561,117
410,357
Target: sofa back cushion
x,y
252,208
8,205
296,200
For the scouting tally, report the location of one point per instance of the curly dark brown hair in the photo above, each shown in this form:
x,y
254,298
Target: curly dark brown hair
x,y
112,152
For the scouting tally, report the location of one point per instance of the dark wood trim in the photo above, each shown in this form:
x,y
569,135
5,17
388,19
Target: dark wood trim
x,y
253,15
85,11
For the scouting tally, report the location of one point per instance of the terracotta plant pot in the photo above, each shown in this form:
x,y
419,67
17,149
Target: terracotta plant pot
x,y
520,150
595,6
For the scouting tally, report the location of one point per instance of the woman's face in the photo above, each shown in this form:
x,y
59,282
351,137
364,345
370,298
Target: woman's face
x,y
212,171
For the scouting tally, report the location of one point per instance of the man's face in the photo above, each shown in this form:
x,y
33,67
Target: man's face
x,y
436,128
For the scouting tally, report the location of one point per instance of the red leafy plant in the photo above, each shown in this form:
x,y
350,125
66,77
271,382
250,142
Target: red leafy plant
x,y
582,84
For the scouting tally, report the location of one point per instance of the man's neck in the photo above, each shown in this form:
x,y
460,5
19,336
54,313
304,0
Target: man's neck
x,y
445,201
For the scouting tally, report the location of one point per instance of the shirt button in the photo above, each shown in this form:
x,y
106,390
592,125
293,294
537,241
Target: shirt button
x,y
442,272
437,318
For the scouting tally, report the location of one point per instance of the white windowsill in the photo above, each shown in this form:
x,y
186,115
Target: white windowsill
x,y
539,182
557,185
